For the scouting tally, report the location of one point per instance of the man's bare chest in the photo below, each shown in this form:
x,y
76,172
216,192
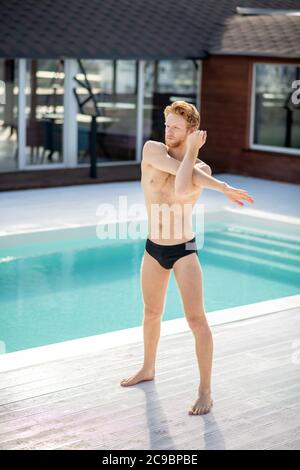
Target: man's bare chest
x,y
159,187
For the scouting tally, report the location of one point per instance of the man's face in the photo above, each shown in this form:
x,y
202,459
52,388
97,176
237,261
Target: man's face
x,y
176,130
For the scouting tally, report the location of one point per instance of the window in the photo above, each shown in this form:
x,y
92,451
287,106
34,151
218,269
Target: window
x,y
44,111
167,81
275,109
113,84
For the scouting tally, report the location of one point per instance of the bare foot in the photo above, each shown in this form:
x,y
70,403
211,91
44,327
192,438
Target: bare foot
x,y
141,376
202,405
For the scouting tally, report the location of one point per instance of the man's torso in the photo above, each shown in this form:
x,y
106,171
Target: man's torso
x,y
173,223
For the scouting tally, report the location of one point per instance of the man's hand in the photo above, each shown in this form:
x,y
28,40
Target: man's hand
x,y
236,194
196,139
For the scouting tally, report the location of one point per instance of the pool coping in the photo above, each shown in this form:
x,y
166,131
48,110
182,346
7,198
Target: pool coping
x,y
199,209
104,341
110,340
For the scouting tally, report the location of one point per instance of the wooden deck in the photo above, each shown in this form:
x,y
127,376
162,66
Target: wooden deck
x,y
78,403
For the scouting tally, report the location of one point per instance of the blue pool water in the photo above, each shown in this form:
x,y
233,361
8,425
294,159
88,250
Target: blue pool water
x,y
72,289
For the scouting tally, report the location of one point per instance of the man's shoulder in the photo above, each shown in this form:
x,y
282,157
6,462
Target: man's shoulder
x,y
154,144
152,150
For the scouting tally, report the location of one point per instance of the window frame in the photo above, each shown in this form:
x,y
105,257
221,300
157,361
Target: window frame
x,y
252,145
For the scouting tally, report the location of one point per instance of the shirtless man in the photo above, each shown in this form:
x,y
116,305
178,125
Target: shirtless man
x,y
173,176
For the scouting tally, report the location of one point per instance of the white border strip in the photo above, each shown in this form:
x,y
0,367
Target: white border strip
x,y
140,112
22,114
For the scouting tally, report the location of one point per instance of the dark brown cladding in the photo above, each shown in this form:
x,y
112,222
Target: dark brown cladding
x,y
68,177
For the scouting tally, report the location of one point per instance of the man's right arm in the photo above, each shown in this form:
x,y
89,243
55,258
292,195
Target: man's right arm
x,y
155,153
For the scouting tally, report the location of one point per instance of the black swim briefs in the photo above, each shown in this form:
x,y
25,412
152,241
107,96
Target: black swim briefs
x,y
166,255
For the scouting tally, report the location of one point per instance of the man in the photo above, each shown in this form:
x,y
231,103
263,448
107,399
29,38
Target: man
x,y
173,177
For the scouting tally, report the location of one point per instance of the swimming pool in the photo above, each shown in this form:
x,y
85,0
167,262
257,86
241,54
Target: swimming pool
x,y
65,284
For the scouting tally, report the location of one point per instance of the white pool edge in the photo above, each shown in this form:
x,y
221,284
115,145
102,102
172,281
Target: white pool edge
x,y
198,209
106,341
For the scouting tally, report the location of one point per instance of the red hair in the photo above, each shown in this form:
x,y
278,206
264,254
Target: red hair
x,y
187,110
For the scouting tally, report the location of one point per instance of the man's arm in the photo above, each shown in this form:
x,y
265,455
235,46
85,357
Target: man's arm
x,y
184,174
203,166
155,153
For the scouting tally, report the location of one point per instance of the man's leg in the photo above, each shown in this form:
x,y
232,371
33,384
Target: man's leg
x,y
154,282
189,279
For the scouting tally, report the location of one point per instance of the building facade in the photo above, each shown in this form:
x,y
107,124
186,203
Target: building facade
x,y
239,65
